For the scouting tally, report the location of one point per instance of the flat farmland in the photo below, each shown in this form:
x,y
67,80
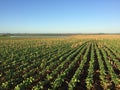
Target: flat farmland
x,y
78,62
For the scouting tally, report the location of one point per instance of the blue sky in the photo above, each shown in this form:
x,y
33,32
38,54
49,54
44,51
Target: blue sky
x,y
59,16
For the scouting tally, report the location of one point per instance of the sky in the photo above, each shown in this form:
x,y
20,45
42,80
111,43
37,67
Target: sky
x,y
59,16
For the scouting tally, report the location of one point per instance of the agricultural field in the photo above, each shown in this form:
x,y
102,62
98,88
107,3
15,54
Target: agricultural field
x,y
69,63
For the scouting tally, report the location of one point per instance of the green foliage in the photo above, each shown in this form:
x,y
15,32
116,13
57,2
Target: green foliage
x,y
41,64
